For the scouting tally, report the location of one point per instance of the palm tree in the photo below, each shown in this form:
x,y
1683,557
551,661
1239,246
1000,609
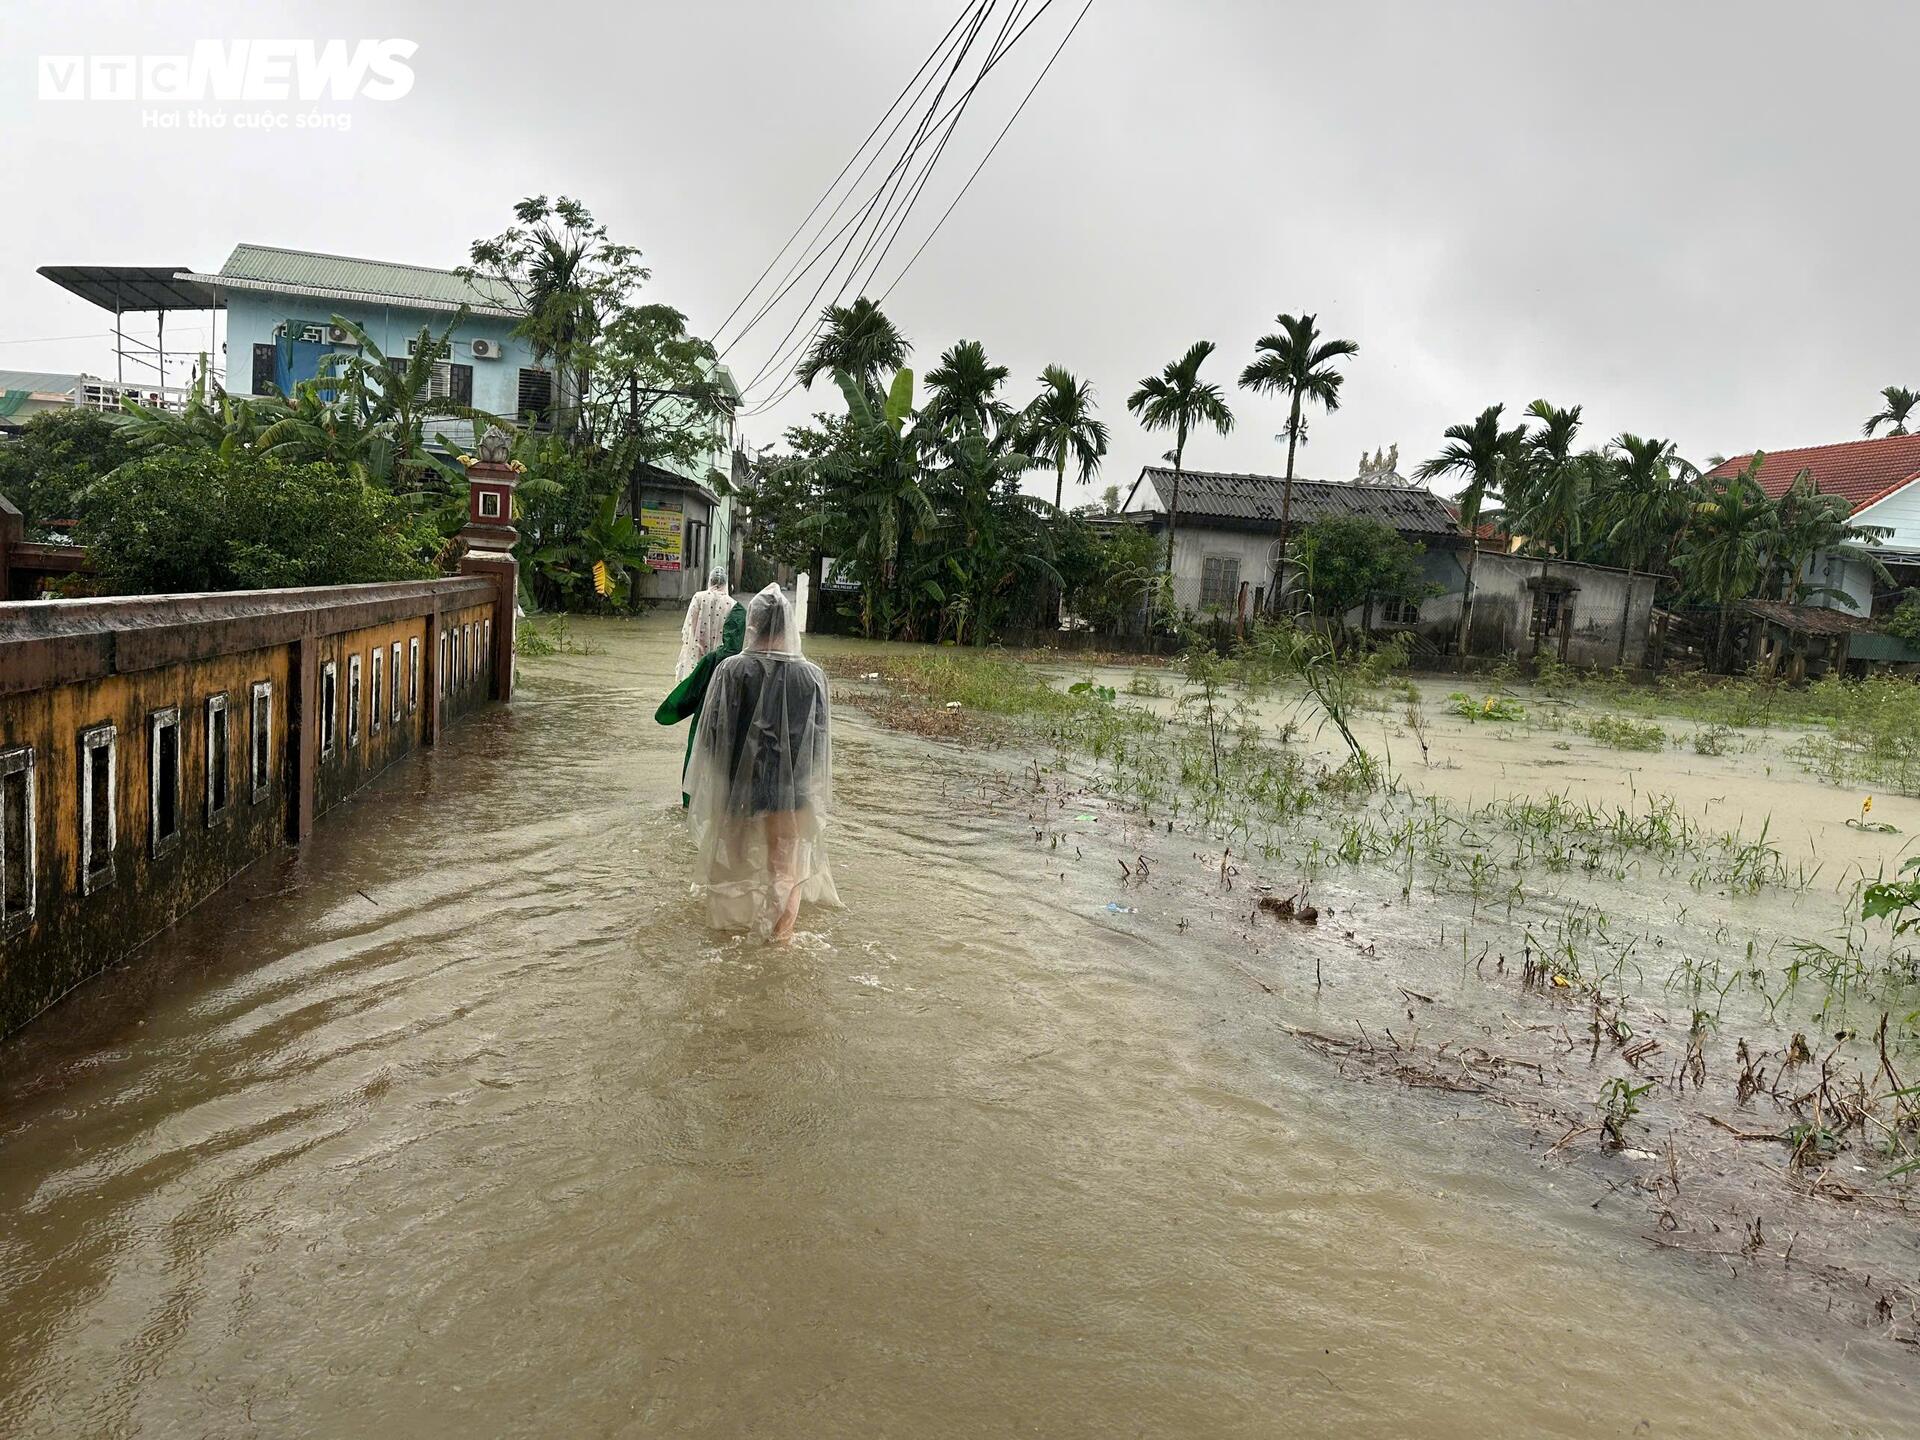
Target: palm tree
x,y
874,485
858,339
1724,553
1176,399
1642,506
1808,523
1554,494
1059,423
1298,363
962,389
1485,454
1900,404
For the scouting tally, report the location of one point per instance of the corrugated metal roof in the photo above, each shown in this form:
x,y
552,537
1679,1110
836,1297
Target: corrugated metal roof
x,y
1808,619
309,272
41,382
1254,500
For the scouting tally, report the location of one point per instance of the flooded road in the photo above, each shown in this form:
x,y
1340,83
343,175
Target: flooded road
x,y
460,1123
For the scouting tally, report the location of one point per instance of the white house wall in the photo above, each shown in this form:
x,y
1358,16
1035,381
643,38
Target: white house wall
x,y
1899,512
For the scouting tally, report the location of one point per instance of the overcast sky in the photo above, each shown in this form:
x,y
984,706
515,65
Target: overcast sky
x,y
1698,220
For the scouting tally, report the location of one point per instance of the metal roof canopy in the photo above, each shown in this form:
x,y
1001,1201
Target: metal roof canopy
x,y
125,288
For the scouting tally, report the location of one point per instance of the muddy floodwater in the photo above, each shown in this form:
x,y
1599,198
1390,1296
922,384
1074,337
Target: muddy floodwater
x,y
459,1123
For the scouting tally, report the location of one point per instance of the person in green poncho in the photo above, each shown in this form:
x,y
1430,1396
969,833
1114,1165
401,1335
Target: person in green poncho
x,y
691,693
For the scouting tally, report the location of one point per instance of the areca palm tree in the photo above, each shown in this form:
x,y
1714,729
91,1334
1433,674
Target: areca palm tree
x,y
1724,553
1485,454
1298,362
1643,504
1900,403
1552,500
856,338
962,389
1058,425
1178,400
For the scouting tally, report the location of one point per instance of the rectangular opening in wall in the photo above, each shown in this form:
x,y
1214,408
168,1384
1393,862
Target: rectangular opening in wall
x,y
163,778
17,867
219,751
377,691
396,682
353,700
98,785
329,706
413,674
489,504
260,740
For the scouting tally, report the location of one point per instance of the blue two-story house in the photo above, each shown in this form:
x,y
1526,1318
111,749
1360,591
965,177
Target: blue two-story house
x,y
281,306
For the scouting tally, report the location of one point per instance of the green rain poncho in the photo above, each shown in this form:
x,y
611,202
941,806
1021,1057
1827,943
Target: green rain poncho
x,y
691,693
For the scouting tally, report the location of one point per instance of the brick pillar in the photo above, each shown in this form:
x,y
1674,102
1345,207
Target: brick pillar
x,y
490,538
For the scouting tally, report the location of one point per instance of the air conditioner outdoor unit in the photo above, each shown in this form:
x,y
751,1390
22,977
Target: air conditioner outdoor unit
x,y
339,335
313,334
486,349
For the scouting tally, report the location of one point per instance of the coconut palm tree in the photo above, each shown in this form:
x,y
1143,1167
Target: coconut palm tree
x,y
1299,363
1178,400
1724,553
858,339
1900,404
1485,455
1553,495
1642,505
963,388
1058,424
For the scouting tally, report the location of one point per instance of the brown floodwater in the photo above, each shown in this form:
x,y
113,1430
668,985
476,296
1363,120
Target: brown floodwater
x,y
460,1123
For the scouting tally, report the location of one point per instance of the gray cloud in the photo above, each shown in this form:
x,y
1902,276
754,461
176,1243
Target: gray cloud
x,y
1694,219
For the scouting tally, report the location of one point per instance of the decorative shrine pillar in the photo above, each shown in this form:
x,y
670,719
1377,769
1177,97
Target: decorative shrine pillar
x,y
490,537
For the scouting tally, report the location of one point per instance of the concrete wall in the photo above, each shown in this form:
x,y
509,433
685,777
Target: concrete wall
x,y
68,668
1504,595
678,586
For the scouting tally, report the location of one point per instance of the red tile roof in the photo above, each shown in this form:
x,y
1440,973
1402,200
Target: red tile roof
x,y
1861,471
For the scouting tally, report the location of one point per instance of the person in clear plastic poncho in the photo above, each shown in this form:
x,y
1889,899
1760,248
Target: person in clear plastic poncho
x,y
705,624
760,784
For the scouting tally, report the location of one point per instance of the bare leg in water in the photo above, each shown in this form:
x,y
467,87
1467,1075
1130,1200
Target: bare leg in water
x,y
783,856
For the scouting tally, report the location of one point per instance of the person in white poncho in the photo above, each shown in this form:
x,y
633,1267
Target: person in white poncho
x,y
706,619
760,783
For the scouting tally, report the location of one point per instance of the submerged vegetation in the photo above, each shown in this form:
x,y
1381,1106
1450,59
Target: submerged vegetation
x,y
1524,884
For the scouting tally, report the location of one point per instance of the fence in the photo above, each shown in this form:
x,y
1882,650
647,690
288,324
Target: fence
x,y
152,748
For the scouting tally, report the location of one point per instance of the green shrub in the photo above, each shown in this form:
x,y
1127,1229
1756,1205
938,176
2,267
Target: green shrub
x,y
1491,707
47,469
1714,740
188,520
1619,733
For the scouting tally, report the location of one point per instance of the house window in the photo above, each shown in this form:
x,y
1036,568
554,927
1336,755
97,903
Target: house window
x,y
413,674
16,838
396,682
266,365
1555,611
260,738
219,753
1219,581
1397,610
99,781
695,552
353,700
163,777
460,384
536,397
329,707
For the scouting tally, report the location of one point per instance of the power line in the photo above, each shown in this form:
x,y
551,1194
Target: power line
x,y
1002,45
968,185
930,63
904,161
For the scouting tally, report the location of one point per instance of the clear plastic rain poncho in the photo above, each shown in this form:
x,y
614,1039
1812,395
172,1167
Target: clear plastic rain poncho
x,y
706,617
760,784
